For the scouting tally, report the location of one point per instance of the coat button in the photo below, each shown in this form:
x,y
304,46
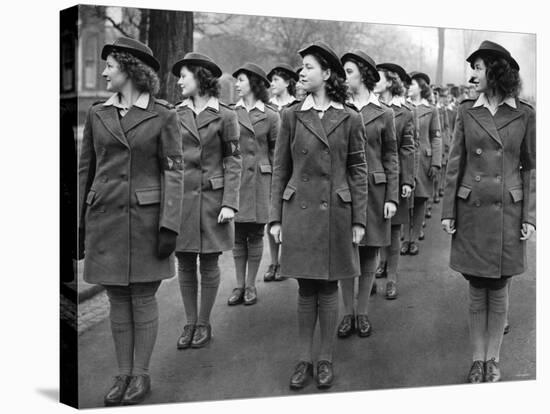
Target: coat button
x,y
305,179
478,178
498,204
104,179
303,205
326,151
479,151
123,176
477,203
324,204
499,178
304,151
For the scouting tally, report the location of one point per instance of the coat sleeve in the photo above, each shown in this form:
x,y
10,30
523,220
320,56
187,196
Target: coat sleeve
x,y
435,138
171,160
528,159
282,168
455,169
274,126
407,152
389,158
357,171
416,140
232,161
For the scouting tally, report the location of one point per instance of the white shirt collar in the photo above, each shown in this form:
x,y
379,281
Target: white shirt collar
x,y
141,102
483,101
310,103
211,103
372,99
258,105
396,100
280,104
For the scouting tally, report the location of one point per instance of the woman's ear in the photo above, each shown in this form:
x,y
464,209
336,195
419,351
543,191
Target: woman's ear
x,y
326,74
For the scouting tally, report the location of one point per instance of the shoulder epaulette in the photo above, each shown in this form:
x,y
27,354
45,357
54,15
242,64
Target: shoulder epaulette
x,y
467,100
523,101
164,103
351,106
293,103
178,103
99,102
407,106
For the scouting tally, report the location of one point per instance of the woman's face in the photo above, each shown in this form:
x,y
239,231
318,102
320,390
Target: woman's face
x,y
382,85
414,90
300,91
187,82
353,76
278,85
243,85
116,79
312,75
479,76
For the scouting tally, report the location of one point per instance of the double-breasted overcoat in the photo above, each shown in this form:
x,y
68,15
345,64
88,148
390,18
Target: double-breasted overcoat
x,y
490,188
130,185
445,133
258,133
212,171
319,190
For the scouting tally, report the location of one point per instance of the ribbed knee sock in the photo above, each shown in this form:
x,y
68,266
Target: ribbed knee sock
x,y
123,333
255,250
478,322
363,293
496,320
145,331
187,276
307,319
210,282
328,319
393,253
348,295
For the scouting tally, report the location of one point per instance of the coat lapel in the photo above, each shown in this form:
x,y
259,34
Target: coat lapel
x,y
207,116
312,122
187,120
484,118
109,117
136,116
371,112
244,119
333,118
256,116
422,110
505,115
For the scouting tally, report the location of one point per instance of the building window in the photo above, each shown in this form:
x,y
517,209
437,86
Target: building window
x,y
67,63
90,53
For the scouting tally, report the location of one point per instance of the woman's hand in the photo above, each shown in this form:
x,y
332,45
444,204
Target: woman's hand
x,y
275,231
527,230
166,242
358,233
448,226
226,215
389,210
406,191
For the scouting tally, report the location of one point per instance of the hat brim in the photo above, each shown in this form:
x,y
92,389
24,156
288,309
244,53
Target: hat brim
x,y
395,69
249,72
353,56
211,66
422,76
144,57
290,73
333,61
481,52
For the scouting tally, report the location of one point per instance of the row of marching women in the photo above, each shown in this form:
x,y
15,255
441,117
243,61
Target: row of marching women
x,y
338,175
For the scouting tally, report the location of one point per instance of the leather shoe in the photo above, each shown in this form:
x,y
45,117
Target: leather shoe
x,y
346,327
507,328
115,394
237,297
477,372
421,235
270,274
405,248
381,271
325,374
441,192
138,388
250,295
391,290
413,249
428,213
184,341
436,199
492,371
278,277
202,336
364,327
302,371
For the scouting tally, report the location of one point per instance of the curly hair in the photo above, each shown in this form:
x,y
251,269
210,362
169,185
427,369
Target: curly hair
x,y
144,78
257,87
335,85
291,88
396,87
502,78
367,76
425,90
207,82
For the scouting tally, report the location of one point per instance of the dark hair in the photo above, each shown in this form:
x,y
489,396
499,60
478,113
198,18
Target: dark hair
x,y
257,87
208,83
455,91
396,88
144,78
291,88
367,77
502,78
335,85
425,90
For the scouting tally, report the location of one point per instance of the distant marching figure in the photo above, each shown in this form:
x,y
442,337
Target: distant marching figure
x,y
259,126
440,95
489,204
212,159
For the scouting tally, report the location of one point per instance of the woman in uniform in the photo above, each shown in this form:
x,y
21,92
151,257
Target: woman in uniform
x,y
130,200
259,126
319,203
391,91
429,156
489,204
210,136
383,182
300,92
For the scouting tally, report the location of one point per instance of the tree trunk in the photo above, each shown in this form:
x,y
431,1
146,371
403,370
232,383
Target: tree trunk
x,y
144,26
170,36
440,56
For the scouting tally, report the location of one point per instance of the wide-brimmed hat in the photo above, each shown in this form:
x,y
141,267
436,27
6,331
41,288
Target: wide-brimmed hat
x,y
283,67
395,68
420,75
327,53
197,59
491,48
135,48
363,58
252,68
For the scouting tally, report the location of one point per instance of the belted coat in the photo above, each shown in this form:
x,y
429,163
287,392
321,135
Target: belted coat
x,y
319,190
130,185
490,188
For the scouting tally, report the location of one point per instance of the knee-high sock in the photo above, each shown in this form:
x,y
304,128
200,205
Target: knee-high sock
x,y
240,254
122,328
368,257
307,319
187,276
509,287
273,249
393,253
384,253
478,322
255,250
418,218
348,294
146,318
210,281
328,319
496,320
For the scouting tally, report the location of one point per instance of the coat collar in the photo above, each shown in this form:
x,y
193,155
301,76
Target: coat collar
x,y
423,102
483,101
281,104
212,103
332,119
116,101
187,120
373,99
309,103
396,101
259,105
485,120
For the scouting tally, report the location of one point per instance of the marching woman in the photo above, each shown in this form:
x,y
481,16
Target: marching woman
x,y
383,181
300,92
130,198
429,156
259,126
391,89
283,87
211,155
489,204
441,105
319,203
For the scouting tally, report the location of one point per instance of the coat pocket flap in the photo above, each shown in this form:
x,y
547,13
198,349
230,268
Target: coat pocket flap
x,y
288,193
379,177
216,182
517,194
266,168
148,196
344,194
90,198
428,152
463,192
